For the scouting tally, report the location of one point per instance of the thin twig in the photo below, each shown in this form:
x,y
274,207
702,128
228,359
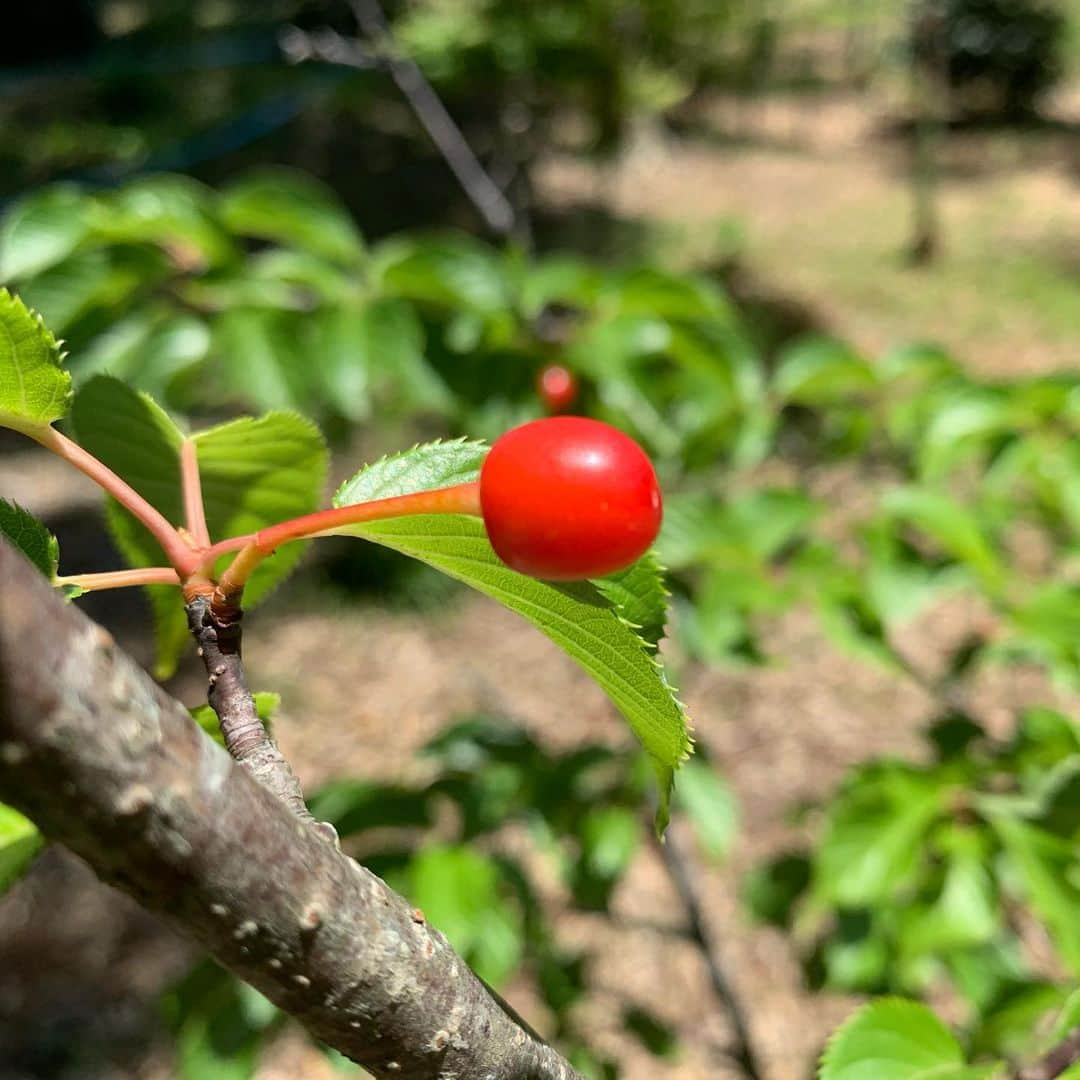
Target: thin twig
x,y
218,636
681,873
1057,1061
191,485
475,181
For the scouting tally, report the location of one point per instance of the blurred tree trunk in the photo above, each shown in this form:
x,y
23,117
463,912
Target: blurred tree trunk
x,y
929,75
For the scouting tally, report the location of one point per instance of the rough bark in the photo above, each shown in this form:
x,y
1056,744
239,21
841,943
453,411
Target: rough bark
x,y
107,764
219,644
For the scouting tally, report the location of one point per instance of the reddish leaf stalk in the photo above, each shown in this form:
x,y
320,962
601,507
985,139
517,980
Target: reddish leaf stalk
x,y
120,579
177,550
460,499
191,484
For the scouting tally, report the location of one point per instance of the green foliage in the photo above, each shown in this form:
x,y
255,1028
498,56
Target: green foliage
x,y
894,1039
709,805
918,868
218,1024
452,331
254,473
19,843
35,390
590,623
294,210
28,534
459,890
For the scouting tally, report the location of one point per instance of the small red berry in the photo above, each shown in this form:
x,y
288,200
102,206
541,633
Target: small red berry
x,y
568,498
558,387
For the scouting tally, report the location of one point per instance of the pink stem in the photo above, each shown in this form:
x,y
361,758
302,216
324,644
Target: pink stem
x,y
191,483
182,556
460,499
119,579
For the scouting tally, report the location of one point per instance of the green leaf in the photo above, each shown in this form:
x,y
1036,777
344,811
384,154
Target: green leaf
x,y
772,890
218,1024
458,890
579,617
372,356
28,534
951,526
174,212
423,468
657,1037
1012,1023
98,282
658,293
42,230
35,390
1067,1020
292,208
875,834
819,371
148,349
354,806
640,596
965,913
19,843
963,420
710,806
893,1039
259,359
1049,869
452,271
610,836
254,473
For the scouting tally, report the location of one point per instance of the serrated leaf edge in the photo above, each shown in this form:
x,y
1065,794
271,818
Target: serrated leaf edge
x,y
54,346
462,441
824,1061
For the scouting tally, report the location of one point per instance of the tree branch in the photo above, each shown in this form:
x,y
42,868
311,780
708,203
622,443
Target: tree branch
x,y
107,764
218,637
327,45
682,877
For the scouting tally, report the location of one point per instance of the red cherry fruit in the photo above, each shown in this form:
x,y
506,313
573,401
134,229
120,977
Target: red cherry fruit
x,y
558,387
568,498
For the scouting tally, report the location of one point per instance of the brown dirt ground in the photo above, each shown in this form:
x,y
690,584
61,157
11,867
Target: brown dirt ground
x,y
816,187
79,960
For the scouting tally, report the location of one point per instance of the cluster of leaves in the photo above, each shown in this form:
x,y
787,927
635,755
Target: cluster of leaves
x,y
610,64
902,1039
447,842
926,876
159,283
